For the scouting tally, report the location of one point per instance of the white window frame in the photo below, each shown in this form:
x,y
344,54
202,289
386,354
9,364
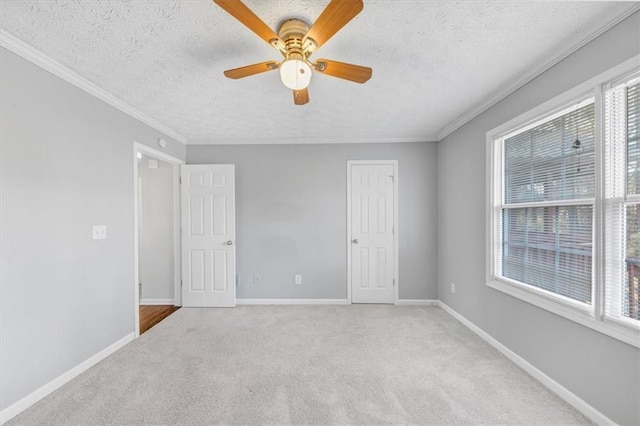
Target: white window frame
x,y
593,315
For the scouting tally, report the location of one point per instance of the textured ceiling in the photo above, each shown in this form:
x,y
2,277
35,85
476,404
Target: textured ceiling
x,y
433,61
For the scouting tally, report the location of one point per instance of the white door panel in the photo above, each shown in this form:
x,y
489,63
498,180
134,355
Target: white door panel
x,y
208,236
372,233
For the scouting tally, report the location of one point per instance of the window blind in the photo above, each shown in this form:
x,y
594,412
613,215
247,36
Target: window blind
x,y
633,138
622,201
547,210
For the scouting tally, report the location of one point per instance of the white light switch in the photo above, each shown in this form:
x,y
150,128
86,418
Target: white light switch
x,y
298,279
99,232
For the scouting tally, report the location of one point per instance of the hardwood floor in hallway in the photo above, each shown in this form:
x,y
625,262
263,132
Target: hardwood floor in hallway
x,y
151,315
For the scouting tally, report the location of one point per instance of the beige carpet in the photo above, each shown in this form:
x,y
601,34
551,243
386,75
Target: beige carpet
x,y
305,365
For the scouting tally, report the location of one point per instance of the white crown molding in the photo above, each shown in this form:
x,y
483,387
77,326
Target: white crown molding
x,y
307,141
571,46
38,58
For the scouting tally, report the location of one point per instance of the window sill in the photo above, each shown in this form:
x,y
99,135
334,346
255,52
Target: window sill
x,y
583,317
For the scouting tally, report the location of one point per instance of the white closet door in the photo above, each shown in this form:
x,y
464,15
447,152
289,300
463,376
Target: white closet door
x,y
208,236
372,239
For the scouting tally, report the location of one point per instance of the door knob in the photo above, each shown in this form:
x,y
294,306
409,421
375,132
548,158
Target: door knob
x,y
354,241
229,243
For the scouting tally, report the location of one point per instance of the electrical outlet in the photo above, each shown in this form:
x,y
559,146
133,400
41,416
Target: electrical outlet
x,y
453,288
298,279
99,232
256,279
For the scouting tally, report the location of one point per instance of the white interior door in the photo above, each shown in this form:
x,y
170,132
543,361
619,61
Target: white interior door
x,y
208,236
372,242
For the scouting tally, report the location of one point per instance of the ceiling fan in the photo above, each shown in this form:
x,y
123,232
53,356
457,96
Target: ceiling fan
x,y
297,40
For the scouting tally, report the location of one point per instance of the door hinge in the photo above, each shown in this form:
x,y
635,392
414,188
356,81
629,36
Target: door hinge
x,y
394,282
180,179
180,283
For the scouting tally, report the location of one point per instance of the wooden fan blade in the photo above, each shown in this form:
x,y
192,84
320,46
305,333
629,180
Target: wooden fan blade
x,y
242,13
301,97
343,70
251,70
332,19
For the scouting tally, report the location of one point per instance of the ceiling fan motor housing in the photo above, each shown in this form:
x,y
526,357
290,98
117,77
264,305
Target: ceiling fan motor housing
x,y
292,32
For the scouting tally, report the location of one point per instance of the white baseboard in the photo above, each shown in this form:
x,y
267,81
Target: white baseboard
x,y
35,396
292,302
157,301
421,302
564,393
406,302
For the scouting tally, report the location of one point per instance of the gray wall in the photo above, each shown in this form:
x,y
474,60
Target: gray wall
x,y
603,371
156,261
291,212
66,164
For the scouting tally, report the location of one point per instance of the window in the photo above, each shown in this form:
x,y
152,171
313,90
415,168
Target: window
x,y
564,205
622,200
547,208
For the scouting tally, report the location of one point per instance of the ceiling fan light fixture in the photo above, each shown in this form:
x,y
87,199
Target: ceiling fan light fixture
x,y
296,40
295,73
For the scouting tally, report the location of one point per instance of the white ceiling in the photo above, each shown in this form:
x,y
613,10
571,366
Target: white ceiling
x,y
433,62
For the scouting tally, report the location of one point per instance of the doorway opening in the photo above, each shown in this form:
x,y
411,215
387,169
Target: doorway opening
x,y
156,236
